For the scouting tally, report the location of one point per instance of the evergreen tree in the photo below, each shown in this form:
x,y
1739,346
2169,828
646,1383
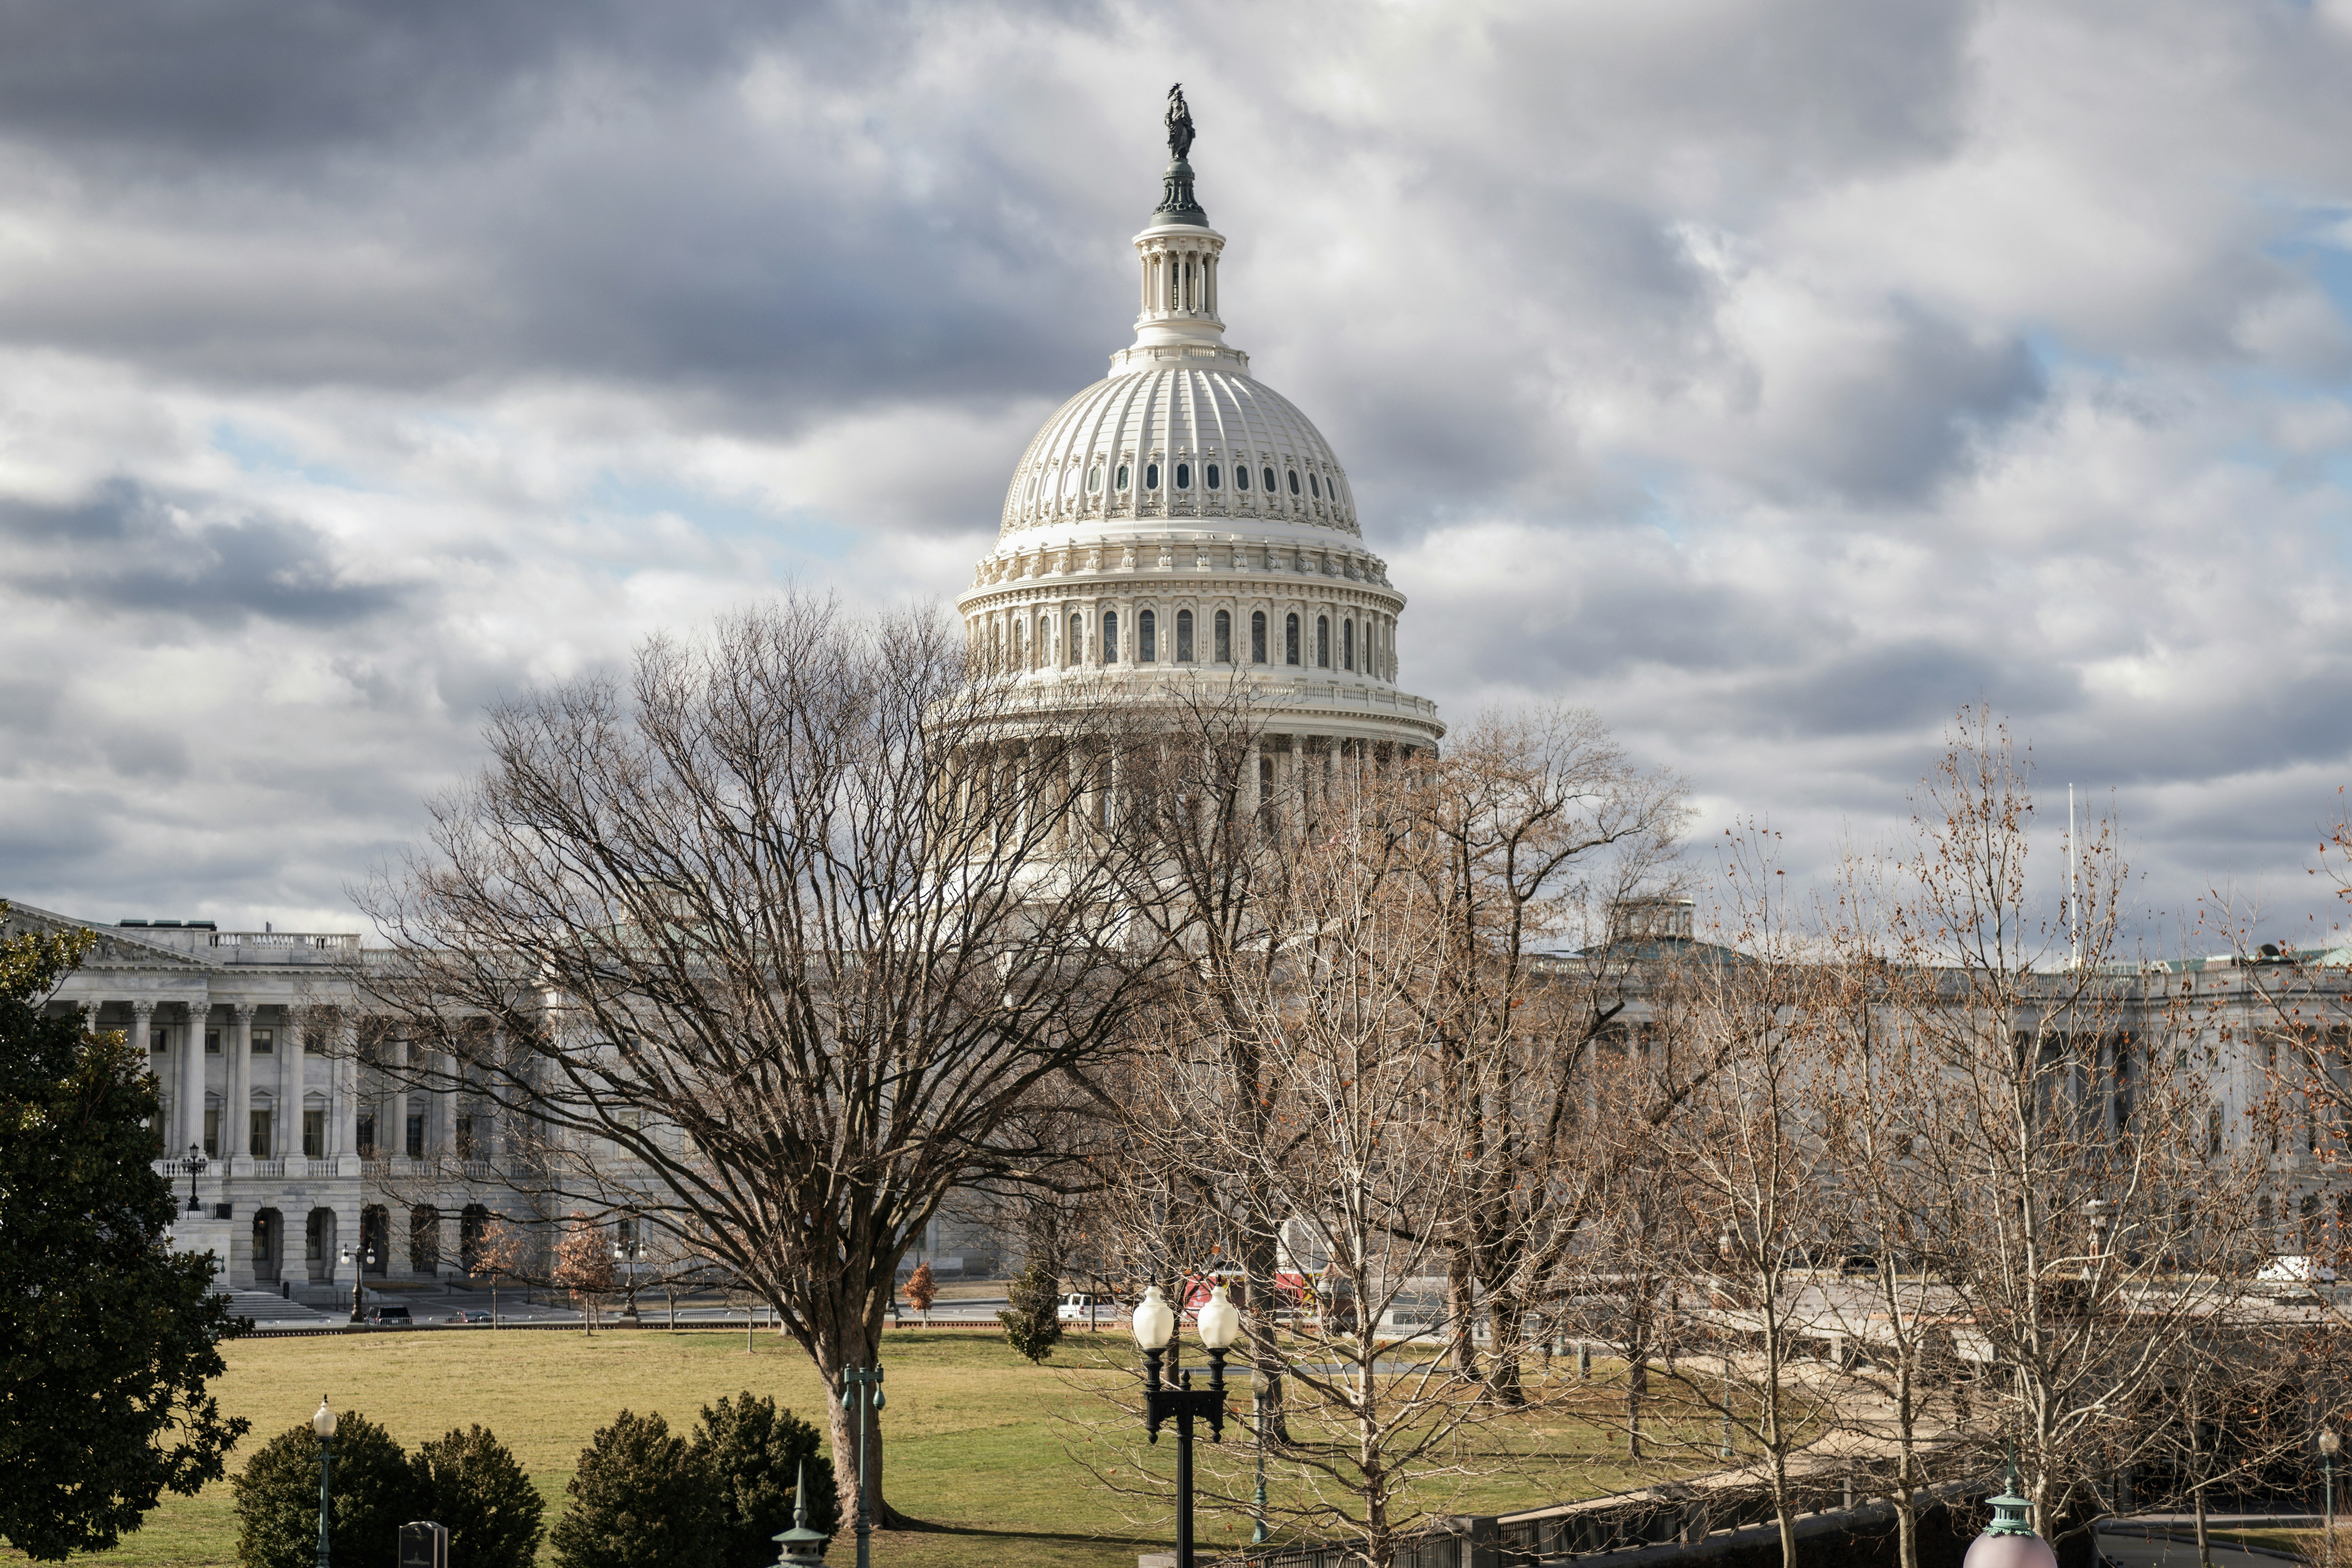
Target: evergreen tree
x,y
107,1338
375,1491
475,1486
753,1452
639,1500
1032,1319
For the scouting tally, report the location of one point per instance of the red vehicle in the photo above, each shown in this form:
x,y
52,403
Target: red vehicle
x,y
1291,1291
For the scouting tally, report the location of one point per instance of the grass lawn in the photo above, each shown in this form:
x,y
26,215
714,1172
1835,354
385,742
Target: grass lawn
x,y
982,1444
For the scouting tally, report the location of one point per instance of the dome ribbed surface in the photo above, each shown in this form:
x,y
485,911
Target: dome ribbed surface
x,y
1202,419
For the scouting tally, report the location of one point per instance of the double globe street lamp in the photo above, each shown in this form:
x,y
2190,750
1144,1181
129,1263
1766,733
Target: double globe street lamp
x,y
367,1261
1173,1397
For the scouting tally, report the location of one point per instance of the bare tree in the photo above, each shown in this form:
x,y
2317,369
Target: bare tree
x,y
2089,1228
776,942
1354,1153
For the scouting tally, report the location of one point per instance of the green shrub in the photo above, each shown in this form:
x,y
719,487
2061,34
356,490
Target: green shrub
x,y
374,1492
639,1500
752,1451
1032,1318
492,1511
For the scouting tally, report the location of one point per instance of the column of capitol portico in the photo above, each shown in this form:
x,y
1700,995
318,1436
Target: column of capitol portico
x,y
237,1104
290,1111
142,1027
445,1108
192,1077
345,1099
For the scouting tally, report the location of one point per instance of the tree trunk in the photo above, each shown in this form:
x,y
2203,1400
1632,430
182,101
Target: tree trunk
x,y
1637,1383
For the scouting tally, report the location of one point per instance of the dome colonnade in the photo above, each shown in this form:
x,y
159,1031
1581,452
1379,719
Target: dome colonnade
x,y
1179,522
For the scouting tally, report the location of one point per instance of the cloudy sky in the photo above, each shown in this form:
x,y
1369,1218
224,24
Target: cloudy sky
x,y
1772,376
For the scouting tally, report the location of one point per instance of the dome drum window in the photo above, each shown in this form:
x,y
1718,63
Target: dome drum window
x,y
1147,638
1111,637
1183,637
1347,645
1184,476
1152,475
1225,637
1290,639
1269,481
1323,642
1241,475
1209,473
1314,488
1293,481
1093,481
1076,653
1122,476
1257,636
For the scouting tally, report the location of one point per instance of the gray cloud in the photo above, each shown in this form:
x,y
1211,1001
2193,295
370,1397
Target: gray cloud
x,y
124,549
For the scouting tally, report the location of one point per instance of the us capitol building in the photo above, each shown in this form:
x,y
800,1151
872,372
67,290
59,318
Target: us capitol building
x,y
1177,522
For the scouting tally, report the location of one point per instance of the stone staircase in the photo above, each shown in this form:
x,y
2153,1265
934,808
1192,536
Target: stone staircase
x,y
266,1307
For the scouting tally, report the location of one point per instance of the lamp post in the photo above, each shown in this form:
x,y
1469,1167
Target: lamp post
x,y
1175,1398
2330,1445
1264,1388
864,1399
196,1168
367,1261
624,1253
323,1424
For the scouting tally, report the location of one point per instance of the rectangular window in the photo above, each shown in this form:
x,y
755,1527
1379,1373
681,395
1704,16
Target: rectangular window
x,y
256,1130
1111,637
1265,780
417,1135
465,1137
212,1042
265,1042
314,1135
363,1134
212,1132
159,1039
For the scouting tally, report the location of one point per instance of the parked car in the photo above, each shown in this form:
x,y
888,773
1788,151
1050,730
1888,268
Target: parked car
x,y
468,1315
391,1318
1084,1307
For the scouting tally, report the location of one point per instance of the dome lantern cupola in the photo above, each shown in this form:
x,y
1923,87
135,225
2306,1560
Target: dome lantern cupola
x,y
1178,254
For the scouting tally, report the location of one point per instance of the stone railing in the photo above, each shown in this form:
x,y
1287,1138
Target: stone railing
x,y
334,941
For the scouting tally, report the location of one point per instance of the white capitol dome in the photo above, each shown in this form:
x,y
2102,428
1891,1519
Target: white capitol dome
x,y
1180,522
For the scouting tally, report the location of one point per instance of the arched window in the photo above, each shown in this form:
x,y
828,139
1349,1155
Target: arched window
x,y
1076,653
1147,638
1241,475
1211,475
1257,636
1290,639
1184,476
995,647
1225,637
1183,637
1323,641
1293,481
1269,481
1111,637
423,1239
1043,653
1347,645
1122,476
1152,475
